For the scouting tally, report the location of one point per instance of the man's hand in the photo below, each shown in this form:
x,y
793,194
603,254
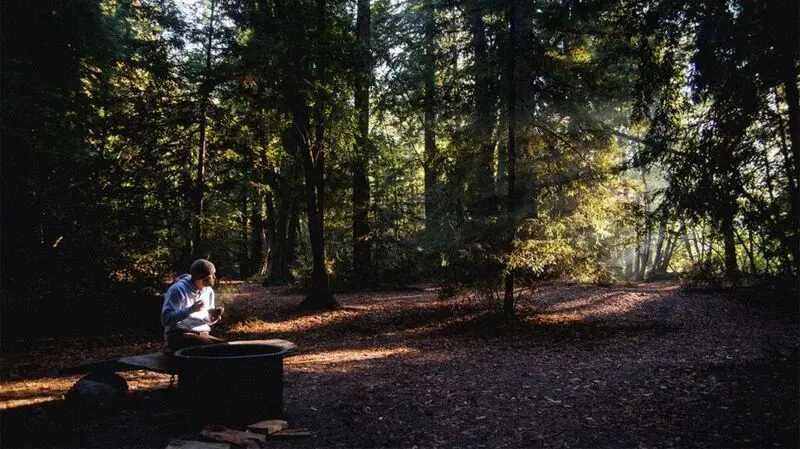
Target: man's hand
x,y
196,307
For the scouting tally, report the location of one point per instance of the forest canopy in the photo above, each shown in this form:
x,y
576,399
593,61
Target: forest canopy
x,y
475,144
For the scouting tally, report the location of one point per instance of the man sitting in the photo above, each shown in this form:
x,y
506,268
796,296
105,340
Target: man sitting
x,y
185,313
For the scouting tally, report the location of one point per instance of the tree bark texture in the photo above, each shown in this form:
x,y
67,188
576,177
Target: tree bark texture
x,y
311,140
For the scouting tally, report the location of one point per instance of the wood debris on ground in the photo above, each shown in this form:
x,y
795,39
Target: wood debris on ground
x,y
268,427
251,440
188,444
255,437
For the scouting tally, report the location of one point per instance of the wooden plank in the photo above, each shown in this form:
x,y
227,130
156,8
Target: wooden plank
x,y
188,444
104,366
159,362
250,439
291,433
268,427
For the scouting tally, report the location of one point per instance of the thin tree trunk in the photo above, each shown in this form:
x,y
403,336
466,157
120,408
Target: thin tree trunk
x,y
187,188
672,242
244,214
265,232
430,168
728,238
361,231
644,253
659,245
685,234
483,125
511,73
748,249
644,256
205,93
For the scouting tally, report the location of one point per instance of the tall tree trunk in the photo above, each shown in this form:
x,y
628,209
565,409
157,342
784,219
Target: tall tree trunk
x,y
793,101
729,240
747,246
686,243
244,242
630,256
511,152
205,94
790,35
643,252
260,236
728,211
644,264
312,153
188,219
280,211
361,232
430,163
662,227
483,126
672,242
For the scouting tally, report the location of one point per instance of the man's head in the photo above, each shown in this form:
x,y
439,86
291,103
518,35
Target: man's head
x,y
202,270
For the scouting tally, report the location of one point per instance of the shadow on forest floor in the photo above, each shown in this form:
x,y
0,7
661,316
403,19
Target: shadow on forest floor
x,y
582,366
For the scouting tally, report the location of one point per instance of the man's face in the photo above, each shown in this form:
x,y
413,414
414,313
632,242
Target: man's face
x,y
210,280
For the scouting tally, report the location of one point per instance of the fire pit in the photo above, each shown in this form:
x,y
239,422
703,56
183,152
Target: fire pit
x,y
238,382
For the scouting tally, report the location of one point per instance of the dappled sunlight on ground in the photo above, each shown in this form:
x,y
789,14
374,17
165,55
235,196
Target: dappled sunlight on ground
x,y
147,380
303,323
583,366
597,306
21,393
325,360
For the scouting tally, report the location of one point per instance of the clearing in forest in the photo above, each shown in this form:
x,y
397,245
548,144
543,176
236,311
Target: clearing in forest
x,y
587,367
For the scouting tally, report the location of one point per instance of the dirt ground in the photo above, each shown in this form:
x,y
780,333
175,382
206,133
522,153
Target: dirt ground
x,y
651,366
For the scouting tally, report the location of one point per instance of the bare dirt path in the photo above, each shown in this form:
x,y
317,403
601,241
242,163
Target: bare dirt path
x,y
587,367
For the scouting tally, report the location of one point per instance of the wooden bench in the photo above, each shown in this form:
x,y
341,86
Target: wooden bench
x,y
160,362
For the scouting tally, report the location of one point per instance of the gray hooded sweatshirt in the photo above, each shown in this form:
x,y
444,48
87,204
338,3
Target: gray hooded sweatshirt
x,y
175,316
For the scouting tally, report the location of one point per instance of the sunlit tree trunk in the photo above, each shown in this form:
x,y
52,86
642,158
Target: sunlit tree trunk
x,y
657,260
672,242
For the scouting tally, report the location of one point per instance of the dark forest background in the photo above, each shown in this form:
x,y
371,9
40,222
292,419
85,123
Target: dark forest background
x,y
479,145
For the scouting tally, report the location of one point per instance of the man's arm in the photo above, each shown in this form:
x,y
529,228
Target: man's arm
x,y
173,309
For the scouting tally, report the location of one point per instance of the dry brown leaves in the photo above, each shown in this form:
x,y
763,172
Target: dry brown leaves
x,y
648,366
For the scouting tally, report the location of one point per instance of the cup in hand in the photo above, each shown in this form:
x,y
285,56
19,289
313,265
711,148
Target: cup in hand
x,y
215,313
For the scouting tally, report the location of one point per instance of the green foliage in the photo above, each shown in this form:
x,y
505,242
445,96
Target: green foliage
x,y
104,102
